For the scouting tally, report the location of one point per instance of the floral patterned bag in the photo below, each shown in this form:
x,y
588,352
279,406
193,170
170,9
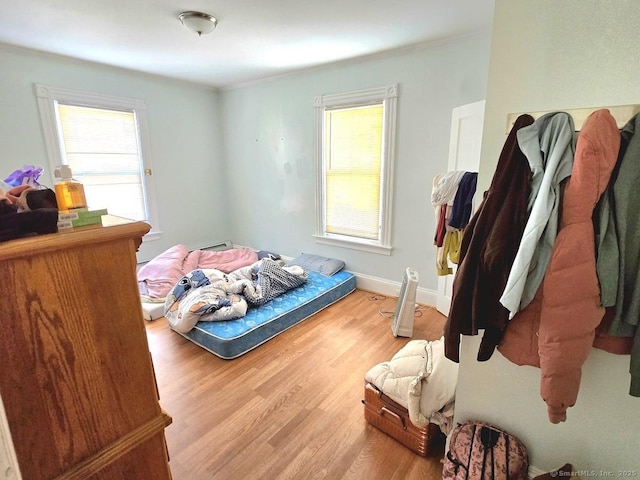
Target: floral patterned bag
x,y
481,451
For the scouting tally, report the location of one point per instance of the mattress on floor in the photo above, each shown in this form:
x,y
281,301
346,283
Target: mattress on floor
x,y
232,338
152,310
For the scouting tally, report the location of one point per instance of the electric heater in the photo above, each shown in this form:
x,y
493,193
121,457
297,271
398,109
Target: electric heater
x,y
402,324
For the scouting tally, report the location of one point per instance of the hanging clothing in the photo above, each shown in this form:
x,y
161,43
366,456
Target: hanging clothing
x,y
619,247
443,196
610,343
441,226
548,146
450,249
445,187
463,201
489,244
556,330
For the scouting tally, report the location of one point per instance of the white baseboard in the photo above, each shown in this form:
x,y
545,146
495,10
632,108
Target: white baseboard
x,y
382,285
392,289
533,472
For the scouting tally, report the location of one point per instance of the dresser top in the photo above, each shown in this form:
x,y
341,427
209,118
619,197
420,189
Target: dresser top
x,y
112,228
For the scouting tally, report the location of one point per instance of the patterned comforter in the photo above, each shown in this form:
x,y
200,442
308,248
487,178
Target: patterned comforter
x,y
212,295
268,279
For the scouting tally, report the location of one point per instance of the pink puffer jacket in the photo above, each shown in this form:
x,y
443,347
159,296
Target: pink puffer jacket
x,y
556,331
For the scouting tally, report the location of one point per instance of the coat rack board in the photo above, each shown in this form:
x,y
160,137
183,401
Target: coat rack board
x,y
622,114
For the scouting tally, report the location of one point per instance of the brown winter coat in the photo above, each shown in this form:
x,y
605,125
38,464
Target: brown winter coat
x,y
556,331
489,244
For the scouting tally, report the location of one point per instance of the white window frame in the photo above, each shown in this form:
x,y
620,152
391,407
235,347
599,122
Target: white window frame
x,y
388,96
47,96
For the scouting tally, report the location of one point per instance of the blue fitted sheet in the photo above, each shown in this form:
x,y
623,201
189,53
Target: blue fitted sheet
x,y
232,338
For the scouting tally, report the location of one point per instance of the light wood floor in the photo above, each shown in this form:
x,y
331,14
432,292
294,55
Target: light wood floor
x,y
291,408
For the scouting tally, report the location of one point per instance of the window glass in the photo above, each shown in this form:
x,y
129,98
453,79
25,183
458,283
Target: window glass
x,y
101,147
103,139
353,138
355,158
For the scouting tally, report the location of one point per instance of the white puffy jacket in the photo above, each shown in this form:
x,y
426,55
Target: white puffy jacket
x,y
420,378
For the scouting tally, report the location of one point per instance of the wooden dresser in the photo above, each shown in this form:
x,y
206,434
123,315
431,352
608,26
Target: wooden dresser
x,y
76,377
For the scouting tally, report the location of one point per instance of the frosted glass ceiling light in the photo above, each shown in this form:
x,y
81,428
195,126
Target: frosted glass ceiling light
x,y
198,22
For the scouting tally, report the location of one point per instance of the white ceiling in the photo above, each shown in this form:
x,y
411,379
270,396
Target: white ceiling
x,y
254,39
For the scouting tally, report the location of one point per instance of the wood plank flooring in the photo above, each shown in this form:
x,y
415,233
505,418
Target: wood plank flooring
x,y
291,408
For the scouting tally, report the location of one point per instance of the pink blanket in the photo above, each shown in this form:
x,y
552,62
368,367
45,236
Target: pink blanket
x,y
158,276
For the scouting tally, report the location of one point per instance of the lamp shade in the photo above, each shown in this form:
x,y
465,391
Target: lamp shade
x,y
198,22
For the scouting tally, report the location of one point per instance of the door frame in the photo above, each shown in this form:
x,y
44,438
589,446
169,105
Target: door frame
x,y
464,154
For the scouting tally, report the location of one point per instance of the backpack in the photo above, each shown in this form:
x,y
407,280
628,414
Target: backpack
x,y
481,451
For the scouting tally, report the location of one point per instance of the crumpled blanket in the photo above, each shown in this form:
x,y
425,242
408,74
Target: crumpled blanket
x,y
212,295
157,277
267,279
202,295
420,378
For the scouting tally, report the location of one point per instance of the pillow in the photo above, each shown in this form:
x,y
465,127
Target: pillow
x,y
315,263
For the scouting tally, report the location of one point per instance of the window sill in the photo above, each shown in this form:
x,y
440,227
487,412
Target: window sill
x,y
354,244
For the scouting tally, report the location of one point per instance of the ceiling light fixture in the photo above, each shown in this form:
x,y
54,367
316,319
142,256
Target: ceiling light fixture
x,y
198,22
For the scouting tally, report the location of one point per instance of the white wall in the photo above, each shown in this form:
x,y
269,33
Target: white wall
x,y
184,126
550,55
269,135
239,164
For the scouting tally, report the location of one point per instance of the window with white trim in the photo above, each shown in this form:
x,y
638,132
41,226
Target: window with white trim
x,y
355,156
104,141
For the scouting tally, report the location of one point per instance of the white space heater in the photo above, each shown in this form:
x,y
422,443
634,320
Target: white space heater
x,y
402,324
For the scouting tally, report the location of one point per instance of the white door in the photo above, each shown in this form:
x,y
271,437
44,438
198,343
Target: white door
x,y
464,154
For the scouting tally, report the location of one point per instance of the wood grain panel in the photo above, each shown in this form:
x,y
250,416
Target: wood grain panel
x,y
76,374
